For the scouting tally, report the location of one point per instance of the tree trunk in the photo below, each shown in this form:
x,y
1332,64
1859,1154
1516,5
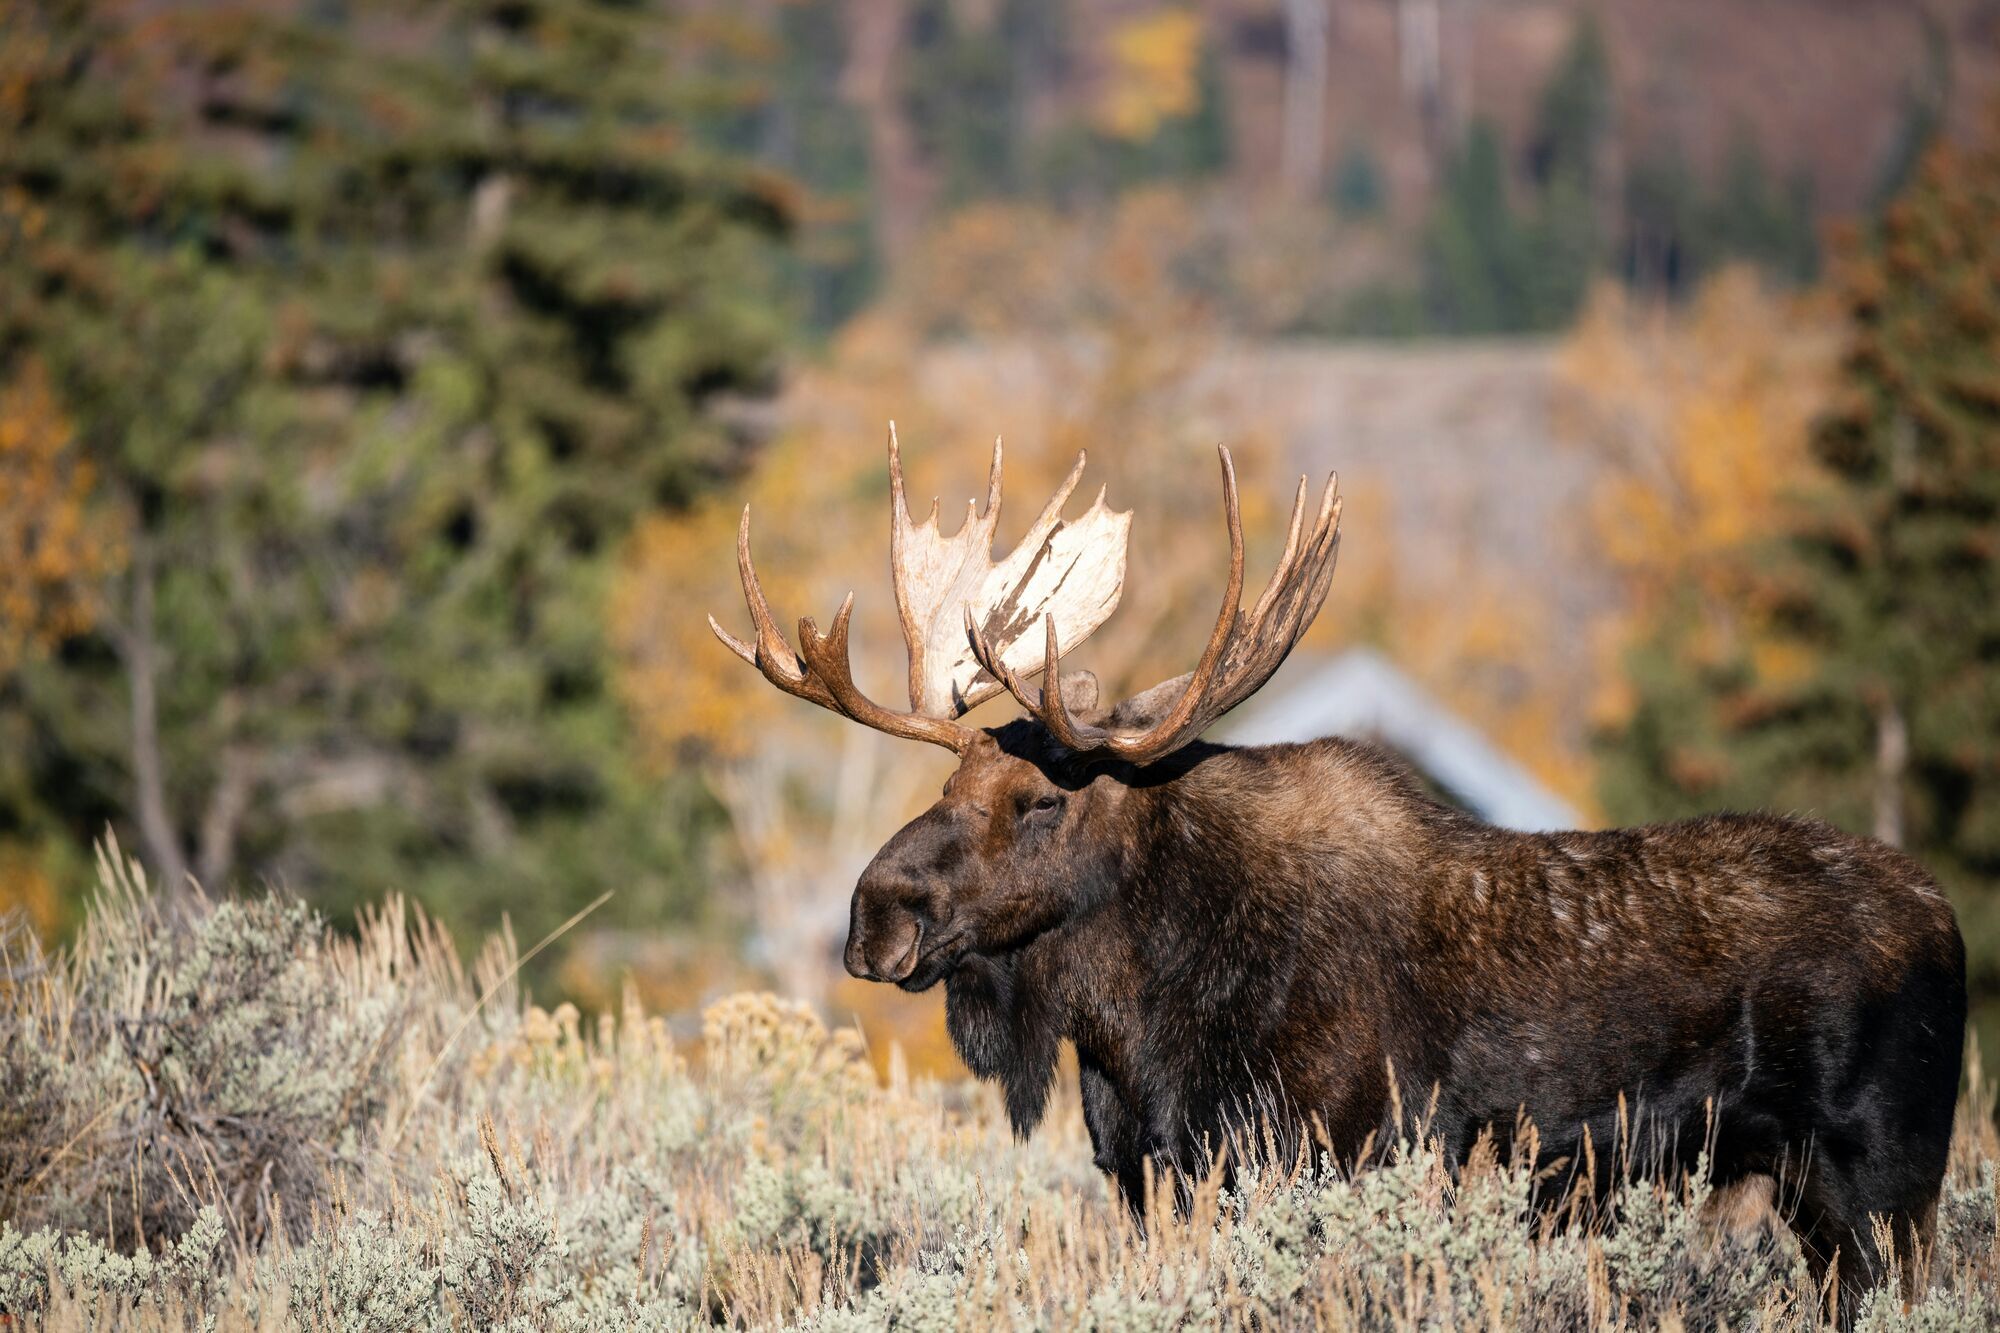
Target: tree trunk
x,y
140,650
1302,151
1420,48
873,81
226,806
1892,757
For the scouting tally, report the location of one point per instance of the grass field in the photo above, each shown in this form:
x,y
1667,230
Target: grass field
x,y
220,1115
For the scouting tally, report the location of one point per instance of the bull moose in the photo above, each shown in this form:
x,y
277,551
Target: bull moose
x,y
1300,930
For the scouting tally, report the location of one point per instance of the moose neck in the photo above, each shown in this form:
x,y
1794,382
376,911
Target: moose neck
x,y
1232,867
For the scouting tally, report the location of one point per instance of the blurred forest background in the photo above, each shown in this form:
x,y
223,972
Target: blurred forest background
x,y
380,383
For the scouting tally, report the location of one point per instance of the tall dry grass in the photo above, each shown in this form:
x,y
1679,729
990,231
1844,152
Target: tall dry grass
x,y
220,1115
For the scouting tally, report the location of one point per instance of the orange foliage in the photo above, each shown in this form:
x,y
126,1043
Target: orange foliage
x,y
1201,257
26,887
888,1017
56,549
1701,418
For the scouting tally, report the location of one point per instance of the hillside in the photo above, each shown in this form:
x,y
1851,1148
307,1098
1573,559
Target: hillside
x,y
1821,86
978,98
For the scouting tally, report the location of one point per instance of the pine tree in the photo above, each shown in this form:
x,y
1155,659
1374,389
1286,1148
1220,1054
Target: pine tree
x,y
810,129
383,326
1575,111
1751,219
1476,250
1861,683
1495,267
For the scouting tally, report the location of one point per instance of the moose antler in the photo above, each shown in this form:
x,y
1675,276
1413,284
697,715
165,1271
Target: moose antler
x,y
1067,575
1243,651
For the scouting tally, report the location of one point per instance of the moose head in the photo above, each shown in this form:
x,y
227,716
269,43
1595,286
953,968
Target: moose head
x,y
1026,833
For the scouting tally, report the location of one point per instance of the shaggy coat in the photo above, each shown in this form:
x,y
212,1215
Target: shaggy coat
x,y
1301,929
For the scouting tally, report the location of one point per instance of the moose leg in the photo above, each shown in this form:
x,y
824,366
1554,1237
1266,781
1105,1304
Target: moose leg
x,y
1830,1236
1837,1212
1115,1136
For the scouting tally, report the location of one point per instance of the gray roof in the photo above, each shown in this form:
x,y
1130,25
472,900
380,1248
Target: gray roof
x,y
1361,695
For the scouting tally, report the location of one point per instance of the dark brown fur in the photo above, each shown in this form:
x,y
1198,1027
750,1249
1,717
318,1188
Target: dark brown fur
x,y
1232,933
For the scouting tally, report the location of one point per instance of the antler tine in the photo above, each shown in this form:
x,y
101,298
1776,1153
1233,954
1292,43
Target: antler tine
x,y
1072,570
993,480
1284,569
771,655
1243,649
899,511
1046,703
1302,575
827,656
1053,509
1225,621
1054,712
820,672
996,666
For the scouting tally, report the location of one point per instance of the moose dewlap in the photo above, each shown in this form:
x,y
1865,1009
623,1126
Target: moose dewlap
x,y
1298,935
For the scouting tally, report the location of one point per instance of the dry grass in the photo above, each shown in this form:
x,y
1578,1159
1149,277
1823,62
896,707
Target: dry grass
x,y
220,1116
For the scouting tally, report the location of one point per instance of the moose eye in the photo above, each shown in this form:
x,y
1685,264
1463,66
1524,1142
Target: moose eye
x,y
1041,805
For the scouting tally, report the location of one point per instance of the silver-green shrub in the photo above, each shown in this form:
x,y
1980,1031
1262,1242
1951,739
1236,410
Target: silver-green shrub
x,y
194,1055
221,1116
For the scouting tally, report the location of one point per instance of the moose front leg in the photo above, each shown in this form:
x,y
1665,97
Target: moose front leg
x,y
1117,1139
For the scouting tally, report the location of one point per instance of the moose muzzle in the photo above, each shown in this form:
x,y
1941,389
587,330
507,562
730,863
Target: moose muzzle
x,y
902,909
901,927
883,946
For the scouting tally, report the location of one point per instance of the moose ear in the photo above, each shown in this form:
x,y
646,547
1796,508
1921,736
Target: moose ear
x,y
1079,692
1143,711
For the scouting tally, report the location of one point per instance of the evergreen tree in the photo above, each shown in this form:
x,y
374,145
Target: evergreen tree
x,y
1575,111
1494,268
1926,97
1862,683
1678,232
382,327
1358,190
1750,219
810,130
964,102
1564,237
1476,251
1196,145
1661,210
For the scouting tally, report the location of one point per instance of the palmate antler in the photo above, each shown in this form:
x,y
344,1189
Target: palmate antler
x,y
966,620
1243,651
1065,574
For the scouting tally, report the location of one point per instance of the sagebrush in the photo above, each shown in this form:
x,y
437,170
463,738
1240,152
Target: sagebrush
x,y
222,1115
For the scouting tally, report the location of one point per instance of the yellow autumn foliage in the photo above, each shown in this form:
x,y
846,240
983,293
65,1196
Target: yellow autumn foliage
x,y
1153,63
1700,419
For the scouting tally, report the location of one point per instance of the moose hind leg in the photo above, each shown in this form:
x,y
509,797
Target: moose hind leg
x,y
1839,1208
1876,1129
